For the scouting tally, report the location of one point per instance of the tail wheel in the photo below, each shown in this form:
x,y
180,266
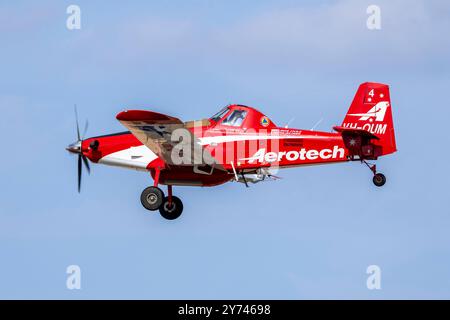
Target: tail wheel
x,y
171,211
379,179
152,198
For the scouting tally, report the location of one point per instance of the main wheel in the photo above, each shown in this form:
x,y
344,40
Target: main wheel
x,y
171,212
152,198
379,179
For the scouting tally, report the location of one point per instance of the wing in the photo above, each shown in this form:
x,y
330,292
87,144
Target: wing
x,y
155,130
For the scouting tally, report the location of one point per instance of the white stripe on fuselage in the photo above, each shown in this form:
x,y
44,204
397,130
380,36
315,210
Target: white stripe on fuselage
x,y
233,138
134,158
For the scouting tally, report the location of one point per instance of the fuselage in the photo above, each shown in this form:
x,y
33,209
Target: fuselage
x,y
255,143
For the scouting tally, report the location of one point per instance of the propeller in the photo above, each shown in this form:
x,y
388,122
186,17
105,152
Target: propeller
x,y
76,148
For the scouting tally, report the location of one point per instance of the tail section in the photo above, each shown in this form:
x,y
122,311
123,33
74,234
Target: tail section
x,y
371,111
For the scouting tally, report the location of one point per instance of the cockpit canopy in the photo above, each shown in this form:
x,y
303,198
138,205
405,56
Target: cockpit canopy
x,y
237,115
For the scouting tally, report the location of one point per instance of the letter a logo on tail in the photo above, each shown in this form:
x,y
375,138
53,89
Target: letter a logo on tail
x,y
378,112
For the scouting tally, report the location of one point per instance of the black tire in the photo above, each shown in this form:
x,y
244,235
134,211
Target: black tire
x,y
172,212
379,179
152,198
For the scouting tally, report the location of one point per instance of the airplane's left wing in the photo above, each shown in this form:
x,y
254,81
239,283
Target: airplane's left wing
x,y
155,130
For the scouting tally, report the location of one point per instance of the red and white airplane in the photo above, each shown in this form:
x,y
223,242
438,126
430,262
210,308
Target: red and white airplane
x,y
239,143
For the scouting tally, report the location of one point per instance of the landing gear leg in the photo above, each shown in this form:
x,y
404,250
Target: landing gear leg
x,y
379,179
156,181
172,207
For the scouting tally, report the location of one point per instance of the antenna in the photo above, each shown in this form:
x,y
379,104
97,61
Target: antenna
x,y
289,122
317,123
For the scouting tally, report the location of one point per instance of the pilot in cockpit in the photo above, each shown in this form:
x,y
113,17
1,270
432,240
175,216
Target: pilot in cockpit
x,y
235,119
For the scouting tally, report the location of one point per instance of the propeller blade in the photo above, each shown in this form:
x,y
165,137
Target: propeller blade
x,y
81,157
79,173
86,164
86,125
76,119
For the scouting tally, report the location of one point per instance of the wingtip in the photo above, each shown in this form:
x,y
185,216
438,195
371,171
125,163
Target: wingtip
x,y
121,115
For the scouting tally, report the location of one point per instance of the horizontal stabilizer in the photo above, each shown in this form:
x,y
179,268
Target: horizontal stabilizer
x,y
361,132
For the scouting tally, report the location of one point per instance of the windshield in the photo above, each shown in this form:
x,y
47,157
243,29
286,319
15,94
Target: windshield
x,y
219,114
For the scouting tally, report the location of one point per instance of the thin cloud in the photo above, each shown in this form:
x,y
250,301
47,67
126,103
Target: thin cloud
x,y
330,35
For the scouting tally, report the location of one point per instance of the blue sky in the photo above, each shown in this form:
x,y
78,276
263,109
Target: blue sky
x,y
310,235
